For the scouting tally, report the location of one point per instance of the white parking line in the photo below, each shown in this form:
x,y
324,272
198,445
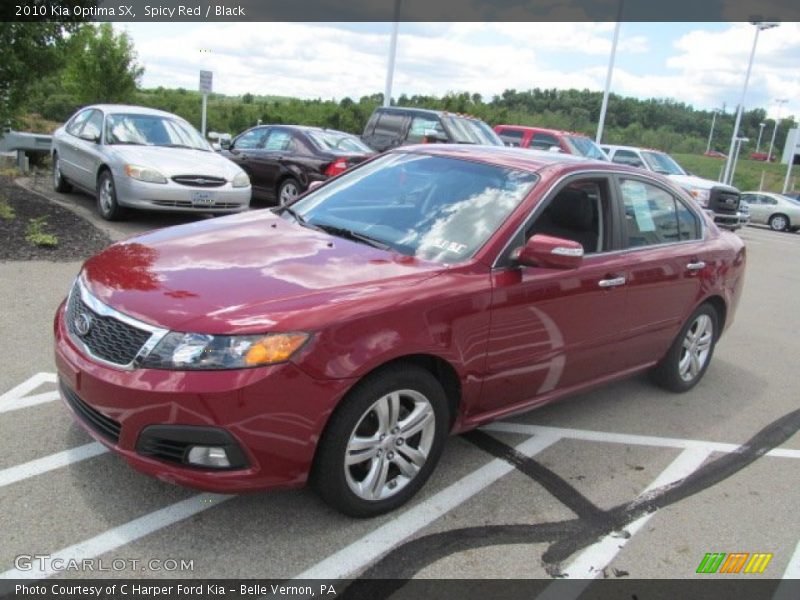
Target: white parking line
x,y
48,463
351,559
123,534
591,562
16,397
628,438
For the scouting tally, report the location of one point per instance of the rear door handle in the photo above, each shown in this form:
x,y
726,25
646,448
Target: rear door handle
x,y
613,282
696,265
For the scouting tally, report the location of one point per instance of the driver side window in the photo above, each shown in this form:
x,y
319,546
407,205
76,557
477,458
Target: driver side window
x,y
250,139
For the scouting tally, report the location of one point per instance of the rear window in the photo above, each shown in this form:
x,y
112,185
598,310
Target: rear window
x,y
511,137
337,141
470,131
389,124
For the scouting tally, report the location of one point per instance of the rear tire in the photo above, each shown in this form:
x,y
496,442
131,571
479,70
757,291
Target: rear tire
x,y
779,222
288,190
690,354
382,442
60,184
107,204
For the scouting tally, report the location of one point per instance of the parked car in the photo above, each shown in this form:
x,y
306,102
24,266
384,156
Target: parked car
x,y
781,213
339,340
721,200
283,160
715,154
538,138
392,126
136,157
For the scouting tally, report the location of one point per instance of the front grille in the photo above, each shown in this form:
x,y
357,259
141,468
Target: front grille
x,y
108,338
203,181
163,449
723,201
103,425
188,204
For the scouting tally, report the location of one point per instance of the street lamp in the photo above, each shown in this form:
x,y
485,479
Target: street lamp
x,y
729,161
760,131
387,92
716,111
780,102
604,105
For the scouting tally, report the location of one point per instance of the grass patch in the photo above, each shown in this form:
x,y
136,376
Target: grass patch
x,y
748,172
6,211
35,233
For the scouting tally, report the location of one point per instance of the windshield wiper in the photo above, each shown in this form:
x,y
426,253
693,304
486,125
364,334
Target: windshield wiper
x,y
127,143
182,146
353,235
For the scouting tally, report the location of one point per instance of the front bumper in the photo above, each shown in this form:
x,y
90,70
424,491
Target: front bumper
x,y
274,415
727,220
174,197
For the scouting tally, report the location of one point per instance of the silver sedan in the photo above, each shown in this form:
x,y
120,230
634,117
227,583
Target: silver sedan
x,y
780,212
136,157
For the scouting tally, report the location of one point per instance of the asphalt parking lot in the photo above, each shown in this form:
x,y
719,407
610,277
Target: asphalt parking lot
x,y
625,481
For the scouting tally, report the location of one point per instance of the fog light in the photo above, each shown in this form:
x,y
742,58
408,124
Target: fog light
x,y
209,456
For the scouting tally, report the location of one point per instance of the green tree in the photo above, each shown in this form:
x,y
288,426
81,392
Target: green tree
x,y
101,66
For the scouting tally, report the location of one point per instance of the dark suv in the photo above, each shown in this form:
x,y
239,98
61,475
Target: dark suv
x,y
391,126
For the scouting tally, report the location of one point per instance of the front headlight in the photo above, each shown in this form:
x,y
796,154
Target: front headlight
x,y
241,180
144,174
207,352
700,195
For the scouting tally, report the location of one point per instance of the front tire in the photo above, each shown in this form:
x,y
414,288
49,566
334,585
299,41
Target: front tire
x,y
107,204
779,222
60,184
690,354
383,442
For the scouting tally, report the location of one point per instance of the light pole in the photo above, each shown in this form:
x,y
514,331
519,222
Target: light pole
x,y
387,92
604,106
729,161
780,102
760,131
716,111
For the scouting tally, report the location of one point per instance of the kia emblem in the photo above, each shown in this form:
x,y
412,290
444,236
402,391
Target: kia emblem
x,y
83,323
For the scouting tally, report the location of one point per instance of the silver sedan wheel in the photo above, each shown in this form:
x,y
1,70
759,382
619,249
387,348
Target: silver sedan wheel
x,y
56,172
289,192
778,223
106,195
696,347
389,445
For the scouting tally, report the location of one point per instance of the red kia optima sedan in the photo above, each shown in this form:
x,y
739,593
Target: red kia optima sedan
x,y
339,340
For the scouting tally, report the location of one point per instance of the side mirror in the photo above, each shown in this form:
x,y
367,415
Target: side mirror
x,y
88,137
314,185
549,252
225,143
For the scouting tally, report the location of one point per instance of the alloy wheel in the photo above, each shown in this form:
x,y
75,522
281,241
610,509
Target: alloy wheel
x,y
696,347
389,445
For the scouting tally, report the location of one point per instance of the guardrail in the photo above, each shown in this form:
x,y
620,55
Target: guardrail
x,y
23,143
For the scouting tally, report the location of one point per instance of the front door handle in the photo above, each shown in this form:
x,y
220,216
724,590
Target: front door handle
x,y
696,265
613,282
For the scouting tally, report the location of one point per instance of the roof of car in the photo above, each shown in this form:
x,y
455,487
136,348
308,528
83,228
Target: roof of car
x,y
542,130
130,108
424,111
617,147
515,158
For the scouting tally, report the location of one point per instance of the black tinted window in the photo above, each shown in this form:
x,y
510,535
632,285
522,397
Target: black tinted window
x,y
389,124
511,137
544,141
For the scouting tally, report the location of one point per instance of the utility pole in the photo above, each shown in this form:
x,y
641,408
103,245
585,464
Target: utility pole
x,y
780,102
716,111
604,106
387,92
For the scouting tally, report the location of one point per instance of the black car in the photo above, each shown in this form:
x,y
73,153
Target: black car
x,y
282,160
391,126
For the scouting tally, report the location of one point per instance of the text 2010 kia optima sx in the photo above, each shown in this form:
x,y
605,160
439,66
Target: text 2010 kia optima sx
x,y
425,292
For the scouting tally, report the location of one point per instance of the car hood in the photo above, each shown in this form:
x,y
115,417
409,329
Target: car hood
x,y
693,181
177,161
247,273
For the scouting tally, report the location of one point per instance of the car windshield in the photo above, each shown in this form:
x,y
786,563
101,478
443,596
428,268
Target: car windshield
x,y
337,141
431,207
152,130
662,163
585,147
470,131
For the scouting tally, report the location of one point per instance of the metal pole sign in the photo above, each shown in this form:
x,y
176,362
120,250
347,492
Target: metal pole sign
x,y
206,78
790,150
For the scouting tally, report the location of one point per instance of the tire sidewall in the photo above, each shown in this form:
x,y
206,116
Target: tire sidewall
x,y
328,473
284,183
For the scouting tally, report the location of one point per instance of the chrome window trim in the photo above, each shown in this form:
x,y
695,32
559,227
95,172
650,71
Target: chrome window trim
x,y
610,174
156,333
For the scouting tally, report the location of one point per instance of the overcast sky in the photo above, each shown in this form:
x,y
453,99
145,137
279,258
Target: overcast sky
x,y
702,64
